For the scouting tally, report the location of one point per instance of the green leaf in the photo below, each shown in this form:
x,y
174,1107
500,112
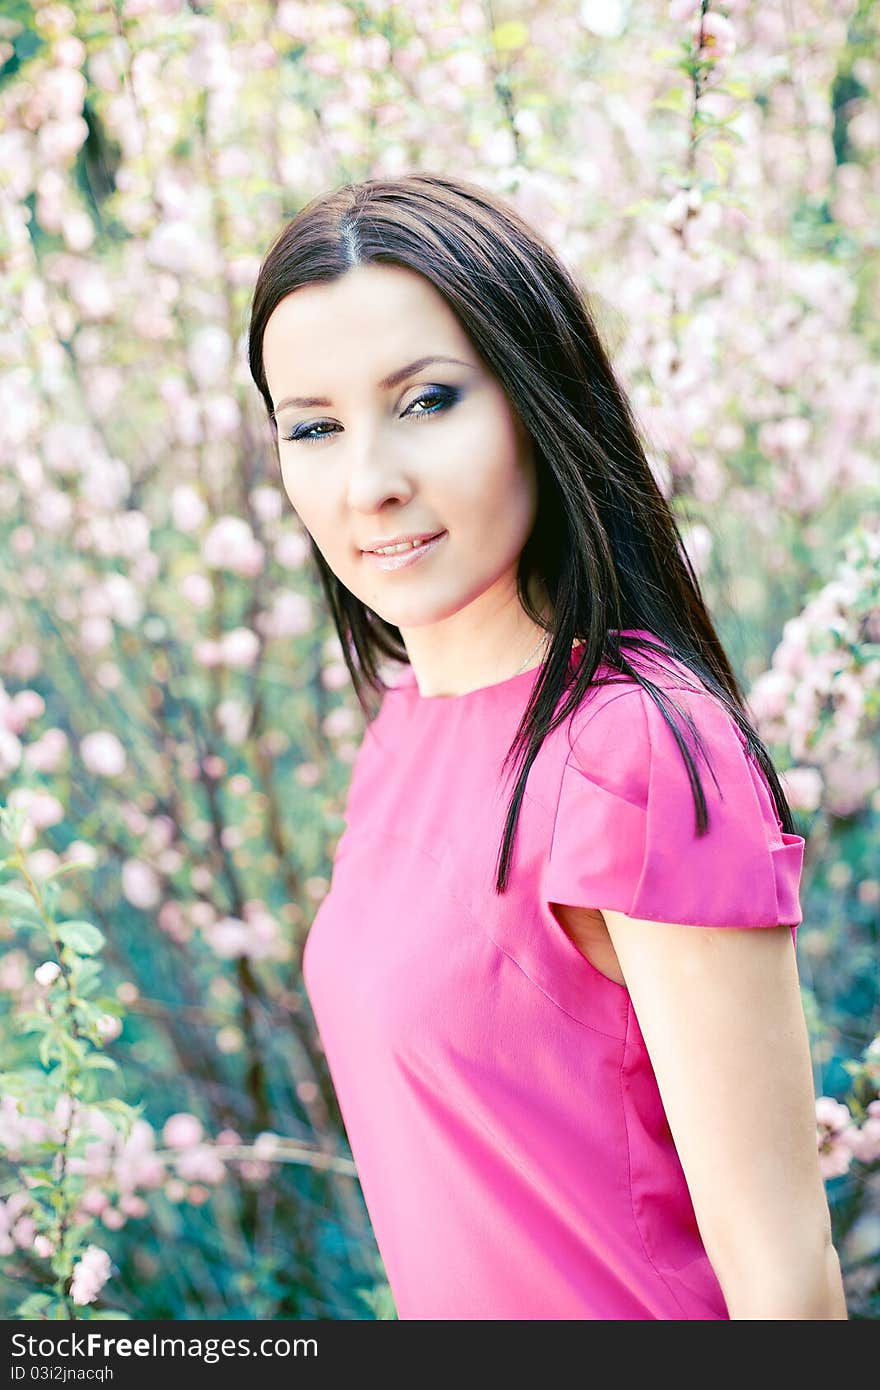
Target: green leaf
x,y
22,1083
86,974
20,900
34,1306
110,1005
68,867
512,34
676,99
30,1172
35,1023
82,937
96,1061
74,1049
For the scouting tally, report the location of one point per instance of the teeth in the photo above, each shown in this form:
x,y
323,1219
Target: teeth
x,y
397,549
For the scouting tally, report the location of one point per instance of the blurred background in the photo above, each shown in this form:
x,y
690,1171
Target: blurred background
x,y
176,722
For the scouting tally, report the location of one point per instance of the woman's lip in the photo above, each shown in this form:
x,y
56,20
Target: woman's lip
x,y
404,558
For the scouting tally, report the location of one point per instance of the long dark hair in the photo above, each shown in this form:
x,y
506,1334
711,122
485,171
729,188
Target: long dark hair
x,y
605,544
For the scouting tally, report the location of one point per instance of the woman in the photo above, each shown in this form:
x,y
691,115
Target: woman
x,y
575,1080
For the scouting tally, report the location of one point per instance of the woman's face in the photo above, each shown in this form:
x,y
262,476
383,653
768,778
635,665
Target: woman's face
x,y
375,442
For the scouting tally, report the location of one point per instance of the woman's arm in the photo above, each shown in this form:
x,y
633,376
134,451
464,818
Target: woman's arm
x,y
721,1015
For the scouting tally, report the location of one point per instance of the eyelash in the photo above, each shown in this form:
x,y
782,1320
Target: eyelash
x,y
448,396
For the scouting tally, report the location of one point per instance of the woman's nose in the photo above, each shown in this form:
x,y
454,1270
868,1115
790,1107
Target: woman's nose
x,y
375,473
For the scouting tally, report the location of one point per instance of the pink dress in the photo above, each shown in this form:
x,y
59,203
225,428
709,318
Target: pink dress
x,y
497,1094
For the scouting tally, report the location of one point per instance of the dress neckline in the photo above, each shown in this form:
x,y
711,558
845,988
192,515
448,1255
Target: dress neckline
x,y
407,681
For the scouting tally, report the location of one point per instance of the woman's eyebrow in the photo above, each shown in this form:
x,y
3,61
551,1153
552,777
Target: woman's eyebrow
x,y
393,379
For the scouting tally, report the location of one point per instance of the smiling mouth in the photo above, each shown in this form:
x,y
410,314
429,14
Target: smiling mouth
x,y
403,555
403,546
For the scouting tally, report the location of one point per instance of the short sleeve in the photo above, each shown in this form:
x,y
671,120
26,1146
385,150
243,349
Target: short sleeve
x,y
625,836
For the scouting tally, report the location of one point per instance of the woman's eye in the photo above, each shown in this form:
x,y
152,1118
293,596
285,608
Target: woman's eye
x,y
445,396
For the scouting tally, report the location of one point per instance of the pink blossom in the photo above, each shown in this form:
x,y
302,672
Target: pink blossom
x,y
200,1164
222,415
41,808
835,1160
43,1247
69,52
338,722
834,1133
182,1130
267,502
719,36
47,973
803,787
227,937
831,1114
266,1144
103,753
109,1027
96,632
233,716
58,142
45,754
209,352
9,1213
24,1231
135,1168
140,884
255,1169
22,708
208,653
865,1141
14,969
175,244
23,661
292,550
90,1273
133,1205
10,752
240,647
291,615
466,68
294,17
231,544
197,590
188,509
19,1131
94,1200
42,863
159,833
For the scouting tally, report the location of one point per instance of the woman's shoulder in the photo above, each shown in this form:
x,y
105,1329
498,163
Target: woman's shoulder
x,y
617,701
628,787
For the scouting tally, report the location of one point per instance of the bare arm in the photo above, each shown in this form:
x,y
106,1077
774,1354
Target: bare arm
x,y
721,1015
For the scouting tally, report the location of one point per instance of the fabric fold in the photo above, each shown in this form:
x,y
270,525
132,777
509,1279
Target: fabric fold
x,y
625,835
